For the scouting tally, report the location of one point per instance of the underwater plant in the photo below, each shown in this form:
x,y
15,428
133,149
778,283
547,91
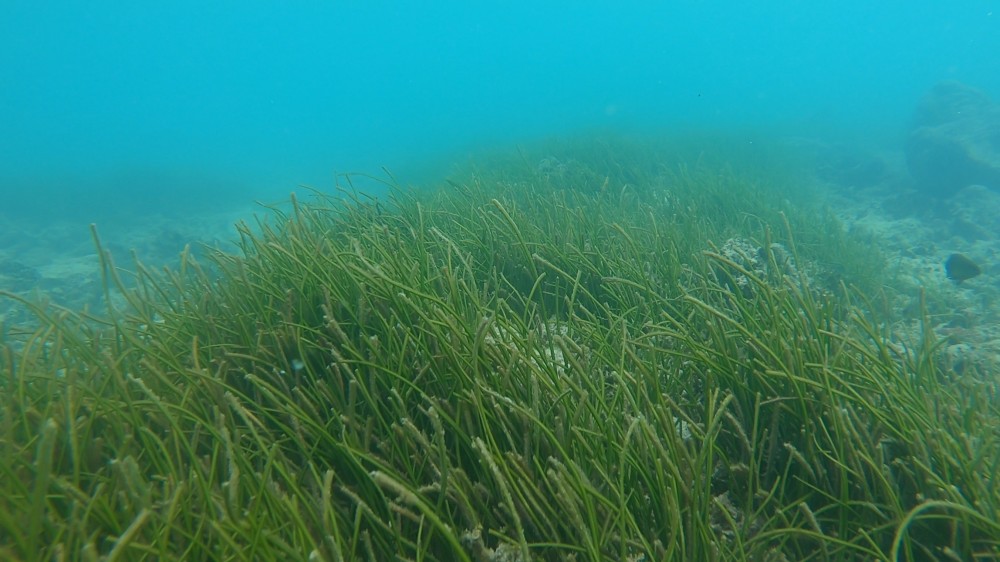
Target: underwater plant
x,y
607,349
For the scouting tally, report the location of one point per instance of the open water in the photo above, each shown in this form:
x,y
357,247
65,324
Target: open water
x,y
164,122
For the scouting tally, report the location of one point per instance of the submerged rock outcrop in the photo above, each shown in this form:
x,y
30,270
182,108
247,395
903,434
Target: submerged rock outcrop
x,y
955,140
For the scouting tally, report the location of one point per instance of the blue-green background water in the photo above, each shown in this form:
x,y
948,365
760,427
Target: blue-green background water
x,y
112,109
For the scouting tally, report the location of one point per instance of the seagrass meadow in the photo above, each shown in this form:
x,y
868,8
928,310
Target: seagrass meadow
x,y
598,349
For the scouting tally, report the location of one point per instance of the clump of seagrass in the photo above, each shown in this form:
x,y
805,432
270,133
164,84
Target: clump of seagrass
x,y
514,368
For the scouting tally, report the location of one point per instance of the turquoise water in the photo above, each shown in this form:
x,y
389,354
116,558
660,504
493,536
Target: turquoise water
x,y
129,102
165,122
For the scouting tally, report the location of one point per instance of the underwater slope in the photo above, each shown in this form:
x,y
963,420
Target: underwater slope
x,y
598,350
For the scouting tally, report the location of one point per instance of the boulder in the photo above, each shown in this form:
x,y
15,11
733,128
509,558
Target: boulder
x,y
955,140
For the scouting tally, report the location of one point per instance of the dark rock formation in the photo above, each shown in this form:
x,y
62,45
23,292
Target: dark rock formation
x,y
955,140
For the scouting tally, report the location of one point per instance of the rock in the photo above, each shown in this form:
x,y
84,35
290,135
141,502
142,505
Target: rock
x,y
770,264
955,140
